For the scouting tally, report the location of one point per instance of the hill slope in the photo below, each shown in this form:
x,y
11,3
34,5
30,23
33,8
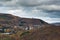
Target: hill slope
x,y
44,33
11,20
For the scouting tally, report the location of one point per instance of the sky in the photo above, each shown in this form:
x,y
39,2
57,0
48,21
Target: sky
x,y
47,10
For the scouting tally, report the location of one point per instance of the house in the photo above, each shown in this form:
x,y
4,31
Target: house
x,y
5,30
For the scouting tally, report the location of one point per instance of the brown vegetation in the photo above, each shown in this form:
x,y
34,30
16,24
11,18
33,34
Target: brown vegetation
x,y
43,32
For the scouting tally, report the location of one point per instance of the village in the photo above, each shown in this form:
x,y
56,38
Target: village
x,y
13,29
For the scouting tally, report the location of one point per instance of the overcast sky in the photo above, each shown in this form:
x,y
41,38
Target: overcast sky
x,y
47,10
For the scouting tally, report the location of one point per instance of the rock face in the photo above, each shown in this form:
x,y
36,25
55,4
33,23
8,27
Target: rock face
x,y
11,20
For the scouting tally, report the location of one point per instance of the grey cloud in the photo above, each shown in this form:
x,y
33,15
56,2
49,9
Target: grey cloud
x,y
8,3
53,14
40,4
23,2
4,0
29,3
51,7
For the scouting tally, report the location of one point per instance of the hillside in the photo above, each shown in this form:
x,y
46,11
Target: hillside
x,y
43,33
41,30
9,20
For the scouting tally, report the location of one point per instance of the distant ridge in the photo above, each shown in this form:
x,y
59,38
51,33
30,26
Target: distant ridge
x,y
56,24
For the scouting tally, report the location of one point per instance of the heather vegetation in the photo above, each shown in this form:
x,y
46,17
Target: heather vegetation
x,y
26,29
43,33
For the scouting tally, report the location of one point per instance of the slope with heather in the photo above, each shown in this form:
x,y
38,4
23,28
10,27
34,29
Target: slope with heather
x,y
9,20
43,33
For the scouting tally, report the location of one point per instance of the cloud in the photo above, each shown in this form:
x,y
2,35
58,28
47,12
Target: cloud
x,y
18,12
20,2
4,0
42,4
28,11
8,3
49,7
29,2
49,20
